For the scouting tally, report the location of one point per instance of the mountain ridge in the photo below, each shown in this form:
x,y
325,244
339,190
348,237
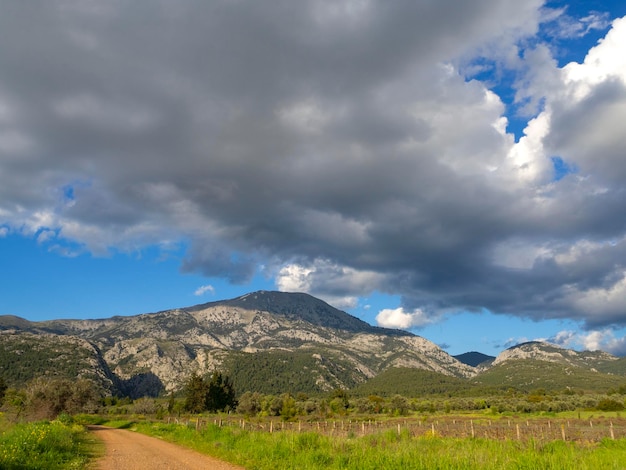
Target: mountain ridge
x,y
342,350
275,342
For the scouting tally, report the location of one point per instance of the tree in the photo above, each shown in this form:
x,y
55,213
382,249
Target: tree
x,y
249,403
215,394
220,394
3,389
195,394
49,397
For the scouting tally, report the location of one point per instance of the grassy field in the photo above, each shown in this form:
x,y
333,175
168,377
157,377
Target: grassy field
x,y
389,449
467,441
45,445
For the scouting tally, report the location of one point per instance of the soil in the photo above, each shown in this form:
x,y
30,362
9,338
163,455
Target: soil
x,y
127,450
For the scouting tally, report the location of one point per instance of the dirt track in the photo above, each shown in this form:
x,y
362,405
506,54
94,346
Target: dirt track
x,y
127,450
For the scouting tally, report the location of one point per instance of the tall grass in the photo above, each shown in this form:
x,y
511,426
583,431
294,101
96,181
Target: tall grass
x,y
388,450
44,445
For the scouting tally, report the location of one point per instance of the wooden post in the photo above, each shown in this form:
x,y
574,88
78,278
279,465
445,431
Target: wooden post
x,y
472,428
271,427
517,430
563,431
611,429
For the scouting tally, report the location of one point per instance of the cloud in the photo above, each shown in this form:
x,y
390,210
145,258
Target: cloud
x,y
340,286
596,340
402,319
337,145
204,289
560,24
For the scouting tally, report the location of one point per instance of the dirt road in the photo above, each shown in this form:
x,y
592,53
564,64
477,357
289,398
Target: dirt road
x,y
127,450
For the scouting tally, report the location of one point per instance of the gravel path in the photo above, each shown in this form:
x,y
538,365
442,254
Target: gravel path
x,y
127,450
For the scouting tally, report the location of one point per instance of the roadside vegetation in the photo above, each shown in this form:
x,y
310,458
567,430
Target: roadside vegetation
x,y
437,424
45,445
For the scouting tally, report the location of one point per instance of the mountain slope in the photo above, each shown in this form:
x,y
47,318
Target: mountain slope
x,y
539,365
25,356
296,334
543,351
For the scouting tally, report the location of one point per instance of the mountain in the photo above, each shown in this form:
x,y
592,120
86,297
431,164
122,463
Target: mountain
x,y
475,359
543,351
267,341
540,365
275,342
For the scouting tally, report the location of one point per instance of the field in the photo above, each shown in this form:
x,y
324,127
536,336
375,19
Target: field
x,y
571,440
437,443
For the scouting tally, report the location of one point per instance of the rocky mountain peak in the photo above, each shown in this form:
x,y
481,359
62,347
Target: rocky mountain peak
x,y
296,306
544,351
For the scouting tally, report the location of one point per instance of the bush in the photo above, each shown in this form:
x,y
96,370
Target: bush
x,y
608,404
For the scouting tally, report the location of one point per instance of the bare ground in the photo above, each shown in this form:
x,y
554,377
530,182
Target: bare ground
x,y
127,450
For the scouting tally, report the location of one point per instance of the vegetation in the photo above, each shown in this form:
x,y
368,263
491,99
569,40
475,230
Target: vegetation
x,y
387,450
47,398
44,445
529,374
47,356
213,394
340,429
282,371
413,383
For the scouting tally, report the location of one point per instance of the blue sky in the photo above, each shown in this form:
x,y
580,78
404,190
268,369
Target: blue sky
x,y
452,169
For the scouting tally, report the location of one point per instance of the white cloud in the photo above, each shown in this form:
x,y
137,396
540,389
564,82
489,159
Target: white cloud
x,y
400,318
328,281
595,340
204,289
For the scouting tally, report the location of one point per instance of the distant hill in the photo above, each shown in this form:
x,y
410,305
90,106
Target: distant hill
x,y
539,365
474,359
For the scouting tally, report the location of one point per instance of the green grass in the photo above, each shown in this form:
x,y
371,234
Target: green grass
x,y
388,450
45,445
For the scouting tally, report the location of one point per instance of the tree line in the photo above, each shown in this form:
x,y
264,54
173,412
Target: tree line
x,y
48,397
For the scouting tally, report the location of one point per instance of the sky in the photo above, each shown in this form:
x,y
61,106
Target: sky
x,y
456,169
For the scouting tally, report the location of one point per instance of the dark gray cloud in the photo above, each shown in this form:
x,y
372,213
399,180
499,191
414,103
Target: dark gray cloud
x,y
335,144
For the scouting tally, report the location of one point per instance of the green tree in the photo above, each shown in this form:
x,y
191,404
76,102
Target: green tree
x,y
3,389
220,393
215,394
249,403
195,394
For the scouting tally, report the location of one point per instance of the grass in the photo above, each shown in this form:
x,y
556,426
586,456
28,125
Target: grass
x,y
45,445
64,444
387,450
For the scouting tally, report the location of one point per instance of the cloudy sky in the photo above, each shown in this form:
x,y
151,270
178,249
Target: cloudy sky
x,y
453,168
